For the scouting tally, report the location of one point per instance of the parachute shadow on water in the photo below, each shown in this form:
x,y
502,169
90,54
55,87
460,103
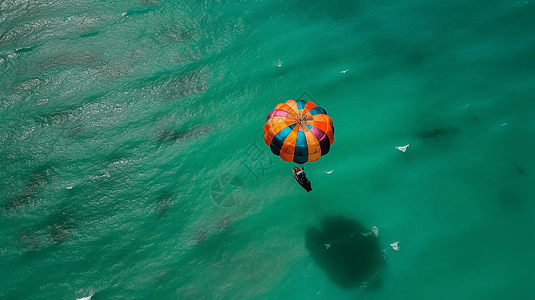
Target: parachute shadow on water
x,y
350,259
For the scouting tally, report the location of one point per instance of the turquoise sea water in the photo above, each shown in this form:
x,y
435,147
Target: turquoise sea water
x,y
133,164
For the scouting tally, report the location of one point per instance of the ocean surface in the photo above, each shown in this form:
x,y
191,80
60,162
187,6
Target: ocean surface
x,y
133,164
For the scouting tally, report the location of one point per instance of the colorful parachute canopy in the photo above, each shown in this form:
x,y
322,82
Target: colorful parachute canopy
x,y
299,131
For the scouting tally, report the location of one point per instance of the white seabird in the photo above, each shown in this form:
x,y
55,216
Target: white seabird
x,y
402,148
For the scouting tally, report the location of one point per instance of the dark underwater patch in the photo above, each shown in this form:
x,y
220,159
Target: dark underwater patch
x,y
168,136
86,58
349,258
175,33
89,34
58,118
140,10
192,82
520,171
62,226
37,179
165,200
224,221
29,239
437,133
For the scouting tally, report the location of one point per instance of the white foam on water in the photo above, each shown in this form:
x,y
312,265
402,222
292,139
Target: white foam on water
x,y
86,298
90,291
374,230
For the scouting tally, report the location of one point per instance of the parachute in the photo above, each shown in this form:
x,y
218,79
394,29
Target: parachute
x,y
299,131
